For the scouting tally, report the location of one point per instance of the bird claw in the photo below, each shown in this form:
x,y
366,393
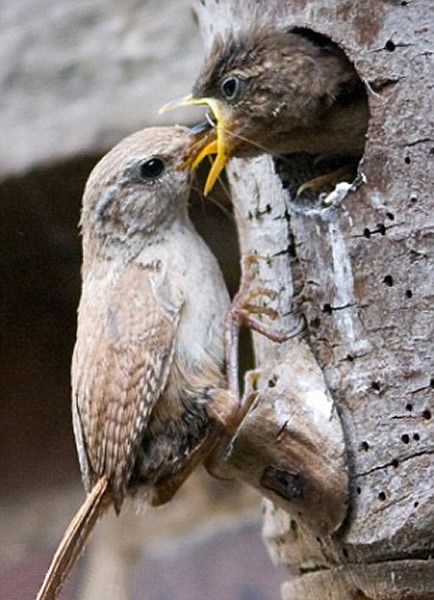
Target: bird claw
x,y
331,179
241,313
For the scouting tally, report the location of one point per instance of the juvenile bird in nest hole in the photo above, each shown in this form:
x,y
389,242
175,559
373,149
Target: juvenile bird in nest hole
x,y
278,92
151,398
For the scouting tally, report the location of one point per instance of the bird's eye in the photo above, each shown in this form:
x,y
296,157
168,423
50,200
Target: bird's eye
x,y
151,168
232,88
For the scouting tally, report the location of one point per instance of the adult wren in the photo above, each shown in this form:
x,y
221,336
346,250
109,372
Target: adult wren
x,y
150,396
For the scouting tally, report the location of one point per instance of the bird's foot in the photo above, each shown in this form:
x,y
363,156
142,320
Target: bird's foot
x,y
329,180
244,311
229,411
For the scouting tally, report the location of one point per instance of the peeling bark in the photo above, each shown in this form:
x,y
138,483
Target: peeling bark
x,y
359,271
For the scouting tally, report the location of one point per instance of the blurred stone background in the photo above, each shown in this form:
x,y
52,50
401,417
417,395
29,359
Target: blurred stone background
x,y
75,77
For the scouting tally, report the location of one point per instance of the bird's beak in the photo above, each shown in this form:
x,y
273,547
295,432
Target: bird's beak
x,y
208,144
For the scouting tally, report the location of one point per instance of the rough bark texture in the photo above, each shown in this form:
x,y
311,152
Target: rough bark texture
x,y
362,268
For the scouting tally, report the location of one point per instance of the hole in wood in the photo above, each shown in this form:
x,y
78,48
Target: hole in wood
x,y
367,233
327,309
390,216
313,162
273,381
382,496
405,438
409,407
364,446
284,484
426,414
381,228
390,46
407,160
376,386
416,437
395,463
388,280
408,293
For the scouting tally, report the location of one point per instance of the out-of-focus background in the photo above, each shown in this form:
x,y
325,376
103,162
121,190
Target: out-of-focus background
x,y
75,77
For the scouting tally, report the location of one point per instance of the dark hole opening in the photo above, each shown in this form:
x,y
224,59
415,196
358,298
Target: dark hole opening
x,y
327,309
320,166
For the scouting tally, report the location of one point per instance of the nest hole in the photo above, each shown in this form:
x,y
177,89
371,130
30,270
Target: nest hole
x,y
323,168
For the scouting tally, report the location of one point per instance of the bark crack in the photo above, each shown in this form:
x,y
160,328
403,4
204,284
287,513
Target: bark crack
x,y
391,463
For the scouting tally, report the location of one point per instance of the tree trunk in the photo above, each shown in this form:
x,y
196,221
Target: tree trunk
x,y
354,393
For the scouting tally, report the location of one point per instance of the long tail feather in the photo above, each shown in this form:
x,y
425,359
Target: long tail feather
x,y
74,540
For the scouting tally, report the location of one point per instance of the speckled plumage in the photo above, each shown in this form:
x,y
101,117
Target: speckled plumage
x,y
149,352
149,390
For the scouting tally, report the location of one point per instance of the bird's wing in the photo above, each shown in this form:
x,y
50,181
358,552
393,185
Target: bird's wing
x,y
125,346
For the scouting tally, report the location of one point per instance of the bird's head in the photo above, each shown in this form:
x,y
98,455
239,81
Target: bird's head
x,y
259,82
138,189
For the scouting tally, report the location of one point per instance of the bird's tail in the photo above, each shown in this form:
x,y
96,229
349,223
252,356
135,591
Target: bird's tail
x,y
74,540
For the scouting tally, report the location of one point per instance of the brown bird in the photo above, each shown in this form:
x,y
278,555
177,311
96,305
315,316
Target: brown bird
x,y
278,92
150,396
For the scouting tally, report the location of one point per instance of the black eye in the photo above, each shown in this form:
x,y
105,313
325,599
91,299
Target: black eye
x,y
151,168
232,88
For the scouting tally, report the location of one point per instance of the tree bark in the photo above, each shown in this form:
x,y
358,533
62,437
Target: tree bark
x,y
359,270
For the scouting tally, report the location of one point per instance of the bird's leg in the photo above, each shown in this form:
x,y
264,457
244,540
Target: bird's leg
x,y
241,313
229,408
317,184
229,412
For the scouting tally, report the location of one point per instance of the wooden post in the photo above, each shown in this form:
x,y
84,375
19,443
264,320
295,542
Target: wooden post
x,y
359,270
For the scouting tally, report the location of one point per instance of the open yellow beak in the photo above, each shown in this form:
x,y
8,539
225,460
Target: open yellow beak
x,y
216,146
